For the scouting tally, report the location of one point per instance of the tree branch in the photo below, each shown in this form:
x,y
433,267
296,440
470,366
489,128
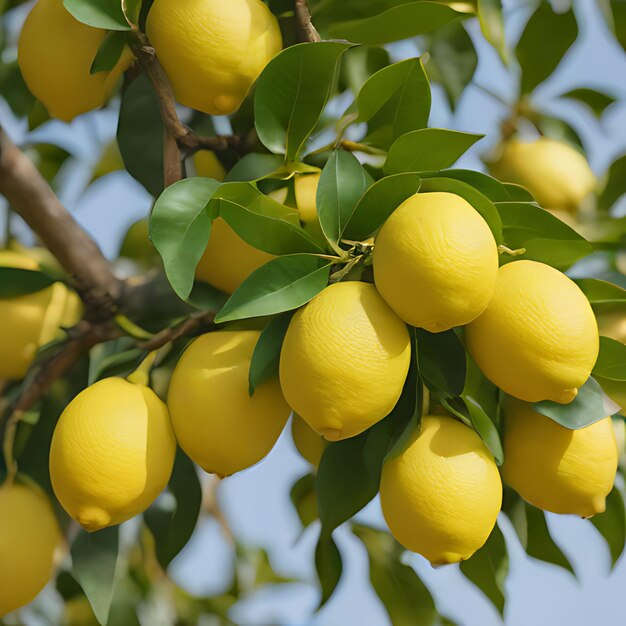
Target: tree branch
x,y
201,320
306,30
30,196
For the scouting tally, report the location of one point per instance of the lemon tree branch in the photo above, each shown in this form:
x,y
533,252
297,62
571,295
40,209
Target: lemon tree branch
x,y
306,30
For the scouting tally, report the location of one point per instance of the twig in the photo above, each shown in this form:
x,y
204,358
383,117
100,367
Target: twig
x,y
201,320
306,30
211,505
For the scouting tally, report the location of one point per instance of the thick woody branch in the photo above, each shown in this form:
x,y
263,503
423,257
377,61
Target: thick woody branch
x,y
306,30
30,196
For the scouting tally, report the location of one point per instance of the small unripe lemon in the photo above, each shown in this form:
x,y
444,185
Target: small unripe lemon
x,y
208,165
435,261
212,50
112,453
228,260
137,246
55,53
29,538
308,443
555,468
32,320
442,494
344,360
538,338
217,423
555,173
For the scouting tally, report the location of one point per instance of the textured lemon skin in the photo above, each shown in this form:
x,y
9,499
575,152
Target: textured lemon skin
x,y
441,495
212,50
556,174
30,321
29,537
308,443
344,360
228,260
112,453
435,261
217,423
554,468
538,338
55,53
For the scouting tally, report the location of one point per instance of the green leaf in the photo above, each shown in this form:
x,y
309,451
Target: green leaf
x,y
254,167
614,187
612,524
487,185
180,227
481,203
545,40
488,568
441,358
303,498
140,134
98,13
266,355
394,101
589,406
601,291
291,94
611,361
517,193
94,558
404,596
379,202
282,284
492,25
109,52
329,566
397,23
172,520
342,183
618,8
428,149
119,364
358,64
16,282
595,100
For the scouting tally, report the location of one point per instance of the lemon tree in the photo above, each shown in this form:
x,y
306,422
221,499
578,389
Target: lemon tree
x,y
320,259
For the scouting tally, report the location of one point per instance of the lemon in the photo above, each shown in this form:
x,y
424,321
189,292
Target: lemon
x,y
555,173
435,261
217,423
32,320
29,538
613,324
212,50
305,188
344,360
208,165
555,468
538,338
308,443
55,53
442,494
228,260
112,453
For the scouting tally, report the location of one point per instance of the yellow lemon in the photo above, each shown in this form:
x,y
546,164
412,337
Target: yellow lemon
x,y
212,50
228,260
555,468
344,360
32,320
435,261
442,494
55,53
555,173
112,453
217,423
538,338
308,443
208,165
305,188
29,538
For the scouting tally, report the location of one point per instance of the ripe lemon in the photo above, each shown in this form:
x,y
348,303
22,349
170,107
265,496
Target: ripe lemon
x,y
305,188
538,338
112,453
217,423
32,320
55,53
228,260
555,468
441,495
212,50
208,165
29,538
344,360
555,173
435,261
308,443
